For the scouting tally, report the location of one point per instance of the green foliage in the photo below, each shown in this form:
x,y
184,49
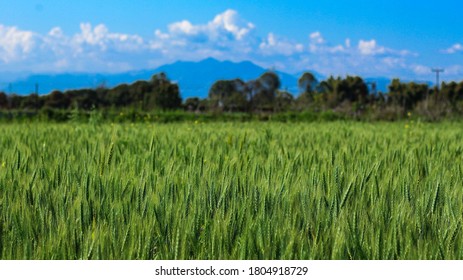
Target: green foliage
x,y
192,104
338,190
336,91
228,96
283,101
307,83
263,91
165,95
345,97
3,100
407,95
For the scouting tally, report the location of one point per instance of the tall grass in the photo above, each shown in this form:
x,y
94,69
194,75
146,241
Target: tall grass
x,y
339,190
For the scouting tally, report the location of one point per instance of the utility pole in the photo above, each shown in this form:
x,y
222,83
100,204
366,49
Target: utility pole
x,y
437,71
37,88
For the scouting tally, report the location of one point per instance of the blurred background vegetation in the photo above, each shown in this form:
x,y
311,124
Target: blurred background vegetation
x,y
159,100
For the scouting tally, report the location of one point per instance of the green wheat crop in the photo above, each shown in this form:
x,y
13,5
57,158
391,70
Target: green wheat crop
x,y
339,190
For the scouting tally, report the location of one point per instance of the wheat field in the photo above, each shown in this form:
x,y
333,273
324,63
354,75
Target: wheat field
x,y
334,190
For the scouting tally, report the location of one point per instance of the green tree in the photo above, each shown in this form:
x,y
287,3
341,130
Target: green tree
x,y
57,100
307,83
84,99
3,100
138,92
329,90
119,96
283,101
262,92
452,92
15,101
406,95
192,103
164,94
228,95
337,90
31,102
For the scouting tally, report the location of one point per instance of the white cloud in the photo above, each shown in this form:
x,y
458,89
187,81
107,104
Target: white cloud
x,y
347,43
15,44
316,41
224,36
224,25
275,46
366,58
451,72
316,38
56,32
318,44
454,70
454,49
421,69
94,48
184,27
230,22
100,37
370,48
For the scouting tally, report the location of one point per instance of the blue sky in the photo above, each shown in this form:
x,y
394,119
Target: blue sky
x,y
369,38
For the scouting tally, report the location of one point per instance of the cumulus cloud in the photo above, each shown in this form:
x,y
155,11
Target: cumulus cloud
x,y
276,46
420,69
317,38
347,43
99,36
227,25
318,45
454,70
370,48
230,22
224,36
15,44
56,32
454,49
366,57
92,49
451,72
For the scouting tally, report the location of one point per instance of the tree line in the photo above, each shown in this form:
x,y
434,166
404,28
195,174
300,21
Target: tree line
x,y
349,96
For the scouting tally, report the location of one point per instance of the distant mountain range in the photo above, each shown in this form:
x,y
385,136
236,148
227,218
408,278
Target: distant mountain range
x,y
194,78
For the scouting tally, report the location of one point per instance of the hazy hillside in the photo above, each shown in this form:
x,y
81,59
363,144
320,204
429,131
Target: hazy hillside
x,y
194,78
